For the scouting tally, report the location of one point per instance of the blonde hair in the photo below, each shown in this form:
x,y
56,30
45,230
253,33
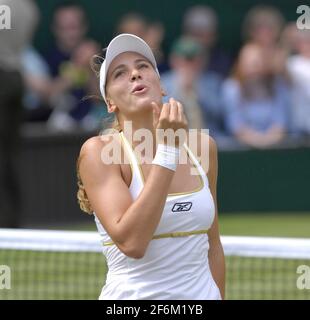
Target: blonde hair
x,y
81,194
82,197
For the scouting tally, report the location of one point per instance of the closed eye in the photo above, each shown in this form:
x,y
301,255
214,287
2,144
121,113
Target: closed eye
x,y
118,73
143,65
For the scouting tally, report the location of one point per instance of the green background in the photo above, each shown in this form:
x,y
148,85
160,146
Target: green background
x,y
264,180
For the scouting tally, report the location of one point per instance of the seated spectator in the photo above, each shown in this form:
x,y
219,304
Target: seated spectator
x,y
255,101
196,89
263,26
69,110
201,23
299,71
69,26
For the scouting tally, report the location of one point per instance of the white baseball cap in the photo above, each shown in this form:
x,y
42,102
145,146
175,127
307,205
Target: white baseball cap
x,y
123,43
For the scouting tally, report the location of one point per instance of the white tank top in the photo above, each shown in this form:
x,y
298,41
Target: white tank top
x,y
175,265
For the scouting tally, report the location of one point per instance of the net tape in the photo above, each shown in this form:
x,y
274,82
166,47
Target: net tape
x,y
90,241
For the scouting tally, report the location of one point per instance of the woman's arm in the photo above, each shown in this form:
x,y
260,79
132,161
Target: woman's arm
x,y
216,252
130,224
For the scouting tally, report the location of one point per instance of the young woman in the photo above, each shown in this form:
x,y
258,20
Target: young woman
x,y
158,222
256,102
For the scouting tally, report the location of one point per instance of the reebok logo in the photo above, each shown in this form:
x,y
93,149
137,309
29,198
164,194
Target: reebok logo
x,y
182,206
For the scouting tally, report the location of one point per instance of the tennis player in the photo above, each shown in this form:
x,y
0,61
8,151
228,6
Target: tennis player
x,y
158,222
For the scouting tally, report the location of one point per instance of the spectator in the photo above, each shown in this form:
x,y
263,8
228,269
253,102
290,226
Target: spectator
x,y
201,23
299,71
24,17
133,23
151,32
255,100
69,27
196,89
263,26
154,36
75,73
289,38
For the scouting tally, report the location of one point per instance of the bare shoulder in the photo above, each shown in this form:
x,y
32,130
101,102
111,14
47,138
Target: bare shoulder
x,y
90,157
94,145
91,150
91,145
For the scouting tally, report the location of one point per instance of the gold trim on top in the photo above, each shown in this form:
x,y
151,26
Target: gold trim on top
x,y
142,176
176,193
169,235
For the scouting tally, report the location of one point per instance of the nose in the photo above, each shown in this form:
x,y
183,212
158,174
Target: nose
x,y
135,74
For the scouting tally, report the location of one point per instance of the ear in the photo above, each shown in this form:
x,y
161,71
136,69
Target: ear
x,y
111,106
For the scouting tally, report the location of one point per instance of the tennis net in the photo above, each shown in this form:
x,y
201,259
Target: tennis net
x,y
45,264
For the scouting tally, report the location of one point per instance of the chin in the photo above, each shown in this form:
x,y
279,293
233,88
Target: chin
x,y
144,103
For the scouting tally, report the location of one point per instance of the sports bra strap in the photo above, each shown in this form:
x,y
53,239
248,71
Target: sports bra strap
x,y
197,164
133,159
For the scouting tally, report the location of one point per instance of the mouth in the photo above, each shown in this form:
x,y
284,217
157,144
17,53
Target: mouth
x,y
139,89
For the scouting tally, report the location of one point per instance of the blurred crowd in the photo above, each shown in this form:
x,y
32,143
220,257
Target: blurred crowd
x,y
258,96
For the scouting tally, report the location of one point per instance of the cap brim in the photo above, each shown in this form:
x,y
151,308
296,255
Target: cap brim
x,y
124,43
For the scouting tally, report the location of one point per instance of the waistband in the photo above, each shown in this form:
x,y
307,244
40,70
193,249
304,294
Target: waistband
x,y
169,235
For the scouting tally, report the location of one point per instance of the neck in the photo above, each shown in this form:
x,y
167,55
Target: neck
x,y
147,134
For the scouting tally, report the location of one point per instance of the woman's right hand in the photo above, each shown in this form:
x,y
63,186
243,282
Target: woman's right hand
x,y
172,117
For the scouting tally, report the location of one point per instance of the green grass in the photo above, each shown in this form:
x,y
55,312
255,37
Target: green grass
x,y
58,275
53,275
259,279
266,224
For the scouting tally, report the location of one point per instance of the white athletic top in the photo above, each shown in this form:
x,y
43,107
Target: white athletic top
x,y
173,267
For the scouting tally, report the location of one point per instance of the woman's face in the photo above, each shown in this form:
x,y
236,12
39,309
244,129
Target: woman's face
x,y
251,62
132,83
265,34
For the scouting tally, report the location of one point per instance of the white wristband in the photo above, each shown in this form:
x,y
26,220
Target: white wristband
x,y
167,156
